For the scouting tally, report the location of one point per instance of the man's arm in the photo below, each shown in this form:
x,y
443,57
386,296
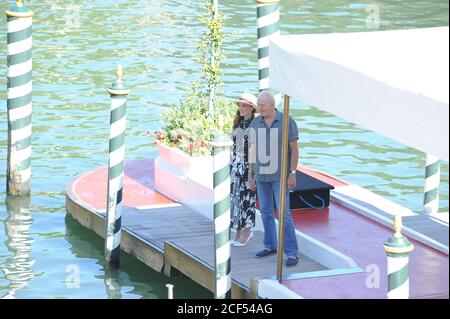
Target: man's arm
x,y
293,146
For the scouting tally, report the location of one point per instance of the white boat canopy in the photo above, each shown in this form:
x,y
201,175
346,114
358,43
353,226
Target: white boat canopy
x,y
395,83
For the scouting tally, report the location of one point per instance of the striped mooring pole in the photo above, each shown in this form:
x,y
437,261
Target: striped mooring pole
x,y
119,93
222,232
431,189
268,20
19,93
398,249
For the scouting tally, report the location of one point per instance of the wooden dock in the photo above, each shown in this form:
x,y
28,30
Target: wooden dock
x,y
175,238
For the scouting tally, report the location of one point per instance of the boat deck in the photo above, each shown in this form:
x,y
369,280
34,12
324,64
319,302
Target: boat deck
x,y
362,239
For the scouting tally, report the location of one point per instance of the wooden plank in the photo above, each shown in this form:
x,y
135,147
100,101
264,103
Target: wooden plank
x,y
192,267
198,270
146,252
244,264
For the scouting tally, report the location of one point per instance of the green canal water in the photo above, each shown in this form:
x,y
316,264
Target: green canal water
x,y
76,47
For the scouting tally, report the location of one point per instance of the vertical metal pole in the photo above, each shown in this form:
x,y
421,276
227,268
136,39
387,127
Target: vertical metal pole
x,y
222,218
169,291
19,95
268,20
119,93
432,181
283,186
398,249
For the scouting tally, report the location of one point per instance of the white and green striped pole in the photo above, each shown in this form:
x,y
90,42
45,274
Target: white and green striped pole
x,y
222,232
119,93
19,93
398,249
432,180
268,14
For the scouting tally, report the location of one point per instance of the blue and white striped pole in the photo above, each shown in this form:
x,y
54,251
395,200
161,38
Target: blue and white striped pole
x,y
268,20
432,181
119,93
398,249
19,104
222,218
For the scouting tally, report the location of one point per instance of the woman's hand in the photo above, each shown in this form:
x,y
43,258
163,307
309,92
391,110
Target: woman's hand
x,y
251,182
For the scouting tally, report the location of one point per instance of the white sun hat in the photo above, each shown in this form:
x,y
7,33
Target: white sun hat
x,y
248,98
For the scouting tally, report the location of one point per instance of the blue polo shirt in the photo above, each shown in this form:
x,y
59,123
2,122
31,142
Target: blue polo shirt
x,y
268,143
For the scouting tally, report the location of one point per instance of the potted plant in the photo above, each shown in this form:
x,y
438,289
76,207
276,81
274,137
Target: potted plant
x,y
184,167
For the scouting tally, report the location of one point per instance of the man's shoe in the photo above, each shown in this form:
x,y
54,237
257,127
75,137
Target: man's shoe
x,y
266,252
291,261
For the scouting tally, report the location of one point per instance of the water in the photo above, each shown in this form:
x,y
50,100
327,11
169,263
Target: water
x,y
42,250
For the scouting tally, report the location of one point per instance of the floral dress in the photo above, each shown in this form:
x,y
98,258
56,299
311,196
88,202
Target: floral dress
x,y
243,199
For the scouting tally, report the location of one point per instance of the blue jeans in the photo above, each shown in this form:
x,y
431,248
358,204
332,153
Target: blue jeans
x,y
266,190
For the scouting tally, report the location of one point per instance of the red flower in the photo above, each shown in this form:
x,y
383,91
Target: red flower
x,y
159,135
200,143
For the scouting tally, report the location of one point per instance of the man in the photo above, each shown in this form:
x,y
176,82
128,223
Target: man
x,y
265,174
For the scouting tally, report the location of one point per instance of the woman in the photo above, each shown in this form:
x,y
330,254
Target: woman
x,y
243,199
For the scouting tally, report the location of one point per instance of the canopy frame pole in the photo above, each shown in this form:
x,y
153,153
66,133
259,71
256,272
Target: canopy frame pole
x,y
283,184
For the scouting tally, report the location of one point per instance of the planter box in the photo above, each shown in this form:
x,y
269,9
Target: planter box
x,y
185,179
199,168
